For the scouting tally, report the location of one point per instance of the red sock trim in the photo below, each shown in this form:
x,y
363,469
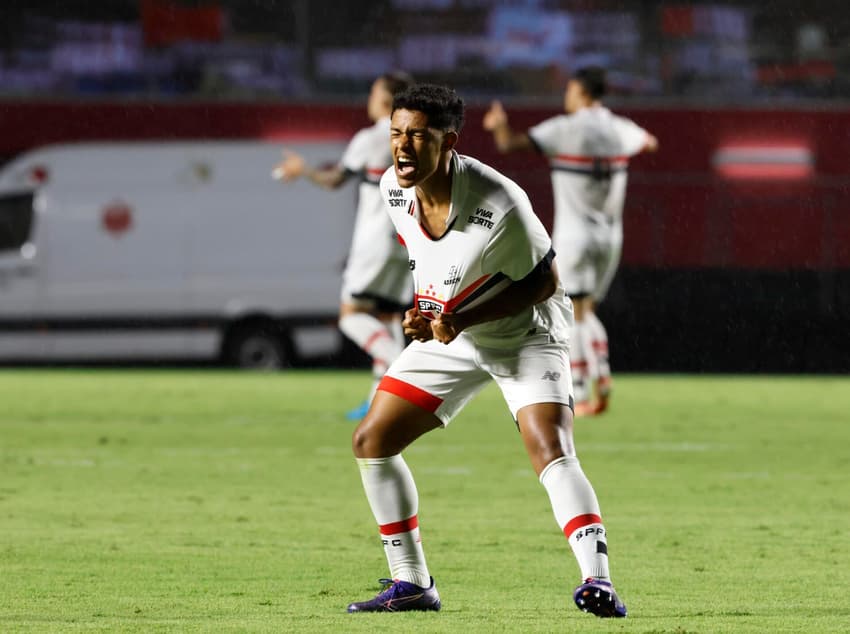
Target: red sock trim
x,y
410,393
581,520
404,526
373,338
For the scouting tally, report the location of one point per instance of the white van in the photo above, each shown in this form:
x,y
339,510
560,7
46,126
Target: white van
x,y
167,251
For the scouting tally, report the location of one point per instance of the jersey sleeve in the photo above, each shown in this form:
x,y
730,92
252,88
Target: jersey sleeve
x,y
387,183
357,153
519,243
632,136
546,135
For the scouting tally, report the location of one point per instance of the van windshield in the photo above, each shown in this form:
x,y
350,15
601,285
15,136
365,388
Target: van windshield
x,y
15,220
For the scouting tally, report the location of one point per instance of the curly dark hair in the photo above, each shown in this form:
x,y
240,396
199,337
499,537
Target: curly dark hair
x,y
593,79
396,81
441,104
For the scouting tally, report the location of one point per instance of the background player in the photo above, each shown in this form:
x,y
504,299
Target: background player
x,y
588,149
488,306
376,286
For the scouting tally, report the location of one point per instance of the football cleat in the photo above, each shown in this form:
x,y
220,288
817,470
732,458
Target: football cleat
x,y
358,412
598,597
400,596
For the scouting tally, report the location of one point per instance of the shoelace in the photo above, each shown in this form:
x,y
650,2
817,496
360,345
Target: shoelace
x,y
388,587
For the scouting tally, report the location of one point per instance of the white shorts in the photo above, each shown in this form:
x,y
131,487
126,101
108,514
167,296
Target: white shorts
x,y
612,263
586,255
377,269
444,378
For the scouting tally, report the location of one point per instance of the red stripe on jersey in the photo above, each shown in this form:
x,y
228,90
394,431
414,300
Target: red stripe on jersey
x,y
457,299
404,526
579,521
589,159
578,364
410,393
400,240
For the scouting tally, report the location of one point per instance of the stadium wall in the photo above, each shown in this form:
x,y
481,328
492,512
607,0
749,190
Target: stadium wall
x,y
736,253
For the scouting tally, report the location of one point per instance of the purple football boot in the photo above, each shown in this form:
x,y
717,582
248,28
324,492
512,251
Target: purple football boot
x,y
598,597
400,596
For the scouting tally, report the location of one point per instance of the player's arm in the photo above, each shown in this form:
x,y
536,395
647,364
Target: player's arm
x,y
293,166
534,288
651,144
506,139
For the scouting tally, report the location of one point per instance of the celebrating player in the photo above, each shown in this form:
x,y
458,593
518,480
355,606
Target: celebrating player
x,y
588,150
376,285
488,305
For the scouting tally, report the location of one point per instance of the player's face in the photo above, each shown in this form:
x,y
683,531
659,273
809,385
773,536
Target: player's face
x,y
379,100
573,96
416,148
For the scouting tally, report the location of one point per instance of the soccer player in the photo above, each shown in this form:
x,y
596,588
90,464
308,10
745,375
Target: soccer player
x,y
588,150
376,285
488,305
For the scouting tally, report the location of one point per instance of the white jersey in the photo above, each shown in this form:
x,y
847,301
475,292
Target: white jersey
x,y
377,263
589,153
368,155
493,238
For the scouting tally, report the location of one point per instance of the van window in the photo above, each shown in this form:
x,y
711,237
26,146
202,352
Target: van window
x,y
15,220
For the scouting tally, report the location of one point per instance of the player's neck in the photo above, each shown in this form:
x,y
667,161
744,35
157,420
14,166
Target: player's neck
x,y
435,200
436,191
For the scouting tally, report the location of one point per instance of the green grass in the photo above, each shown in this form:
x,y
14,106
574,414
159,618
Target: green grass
x,y
190,501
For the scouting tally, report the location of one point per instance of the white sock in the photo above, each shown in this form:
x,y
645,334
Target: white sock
x,y
599,344
375,339
579,363
394,500
577,513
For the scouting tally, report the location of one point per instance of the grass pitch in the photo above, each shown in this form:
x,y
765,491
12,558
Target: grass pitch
x,y
192,501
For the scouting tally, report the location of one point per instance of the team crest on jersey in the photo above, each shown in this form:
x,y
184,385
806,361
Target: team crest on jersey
x,y
429,302
427,305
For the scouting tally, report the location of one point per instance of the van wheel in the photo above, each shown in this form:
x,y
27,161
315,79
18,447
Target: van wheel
x,y
259,347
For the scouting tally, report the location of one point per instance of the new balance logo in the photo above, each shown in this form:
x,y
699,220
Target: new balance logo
x,y
550,376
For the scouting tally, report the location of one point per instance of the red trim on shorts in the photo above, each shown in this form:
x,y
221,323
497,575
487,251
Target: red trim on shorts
x,y
579,521
410,393
400,240
578,364
377,171
404,526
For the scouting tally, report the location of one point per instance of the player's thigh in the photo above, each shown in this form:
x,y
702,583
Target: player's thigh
x,y
391,424
439,378
538,371
608,264
573,257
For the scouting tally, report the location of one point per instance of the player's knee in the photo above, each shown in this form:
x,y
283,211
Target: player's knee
x,y
366,442
360,442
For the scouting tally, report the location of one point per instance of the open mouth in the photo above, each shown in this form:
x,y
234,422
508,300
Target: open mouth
x,y
405,167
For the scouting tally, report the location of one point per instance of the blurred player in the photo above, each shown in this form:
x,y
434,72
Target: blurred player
x,y
588,149
488,306
376,284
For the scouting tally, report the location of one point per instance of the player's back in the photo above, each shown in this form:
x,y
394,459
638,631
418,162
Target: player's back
x,y
589,152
